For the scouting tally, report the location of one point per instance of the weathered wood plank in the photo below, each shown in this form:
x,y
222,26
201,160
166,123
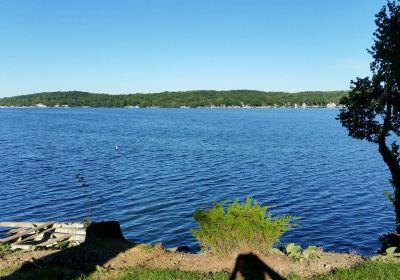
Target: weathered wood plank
x,y
16,230
21,246
54,240
75,237
33,236
32,224
25,232
24,235
69,225
70,230
78,238
20,224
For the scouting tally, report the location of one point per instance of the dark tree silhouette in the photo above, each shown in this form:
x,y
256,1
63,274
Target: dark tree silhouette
x,y
372,108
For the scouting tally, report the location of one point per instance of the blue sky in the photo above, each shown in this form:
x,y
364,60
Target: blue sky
x,y
133,46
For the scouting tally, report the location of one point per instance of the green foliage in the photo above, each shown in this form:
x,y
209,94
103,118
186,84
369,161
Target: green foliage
x,y
389,254
100,269
64,272
372,107
309,252
199,98
369,270
390,239
44,272
167,274
86,222
293,250
4,248
240,227
389,197
61,245
4,271
366,271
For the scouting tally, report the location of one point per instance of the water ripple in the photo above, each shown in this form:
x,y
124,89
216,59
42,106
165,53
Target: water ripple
x,y
173,161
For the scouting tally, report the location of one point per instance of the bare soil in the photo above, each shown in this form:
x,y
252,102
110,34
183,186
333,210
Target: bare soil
x,y
146,256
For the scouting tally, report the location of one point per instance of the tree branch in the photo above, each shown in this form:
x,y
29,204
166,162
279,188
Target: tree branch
x,y
387,155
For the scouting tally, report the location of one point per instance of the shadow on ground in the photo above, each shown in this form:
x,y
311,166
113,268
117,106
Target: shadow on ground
x,y
252,267
103,242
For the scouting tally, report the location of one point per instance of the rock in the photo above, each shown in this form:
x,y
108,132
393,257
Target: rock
x,y
180,249
183,249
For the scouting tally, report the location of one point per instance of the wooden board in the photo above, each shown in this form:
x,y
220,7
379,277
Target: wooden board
x,y
54,240
33,224
20,224
25,232
21,246
25,235
69,225
33,236
70,230
16,230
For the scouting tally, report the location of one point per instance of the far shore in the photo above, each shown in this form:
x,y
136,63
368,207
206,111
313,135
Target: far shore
x,y
182,107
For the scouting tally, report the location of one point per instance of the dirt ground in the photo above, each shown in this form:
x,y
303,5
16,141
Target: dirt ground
x,y
146,256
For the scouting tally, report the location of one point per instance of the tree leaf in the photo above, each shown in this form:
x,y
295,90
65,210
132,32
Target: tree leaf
x,y
391,250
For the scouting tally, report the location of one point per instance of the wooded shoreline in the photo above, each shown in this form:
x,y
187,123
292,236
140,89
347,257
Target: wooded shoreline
x,y
184,99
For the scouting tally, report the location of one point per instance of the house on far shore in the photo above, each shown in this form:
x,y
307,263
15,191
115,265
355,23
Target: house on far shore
x,y
331,105
40,105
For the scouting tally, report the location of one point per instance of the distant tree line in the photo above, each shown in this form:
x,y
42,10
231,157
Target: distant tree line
x,y
200,98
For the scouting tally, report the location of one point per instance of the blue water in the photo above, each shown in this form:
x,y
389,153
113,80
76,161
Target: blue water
x,y
171,161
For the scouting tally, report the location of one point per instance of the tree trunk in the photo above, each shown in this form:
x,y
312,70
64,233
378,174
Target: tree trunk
x,y
394,167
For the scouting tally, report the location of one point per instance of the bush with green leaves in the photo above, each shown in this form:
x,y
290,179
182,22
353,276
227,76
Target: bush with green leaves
x,y
239,227
293,250
390,253
61,245
4,248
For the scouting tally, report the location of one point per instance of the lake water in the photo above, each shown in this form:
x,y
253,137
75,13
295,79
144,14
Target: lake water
x,y
171,161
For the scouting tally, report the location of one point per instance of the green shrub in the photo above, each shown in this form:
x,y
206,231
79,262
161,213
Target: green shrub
x,y
239,227
4,248
61,245
293,250
389,254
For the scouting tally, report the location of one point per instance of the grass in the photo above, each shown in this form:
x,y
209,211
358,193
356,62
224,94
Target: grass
x,y
50,273
42,273
369,270
5,271
4,248
153,274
